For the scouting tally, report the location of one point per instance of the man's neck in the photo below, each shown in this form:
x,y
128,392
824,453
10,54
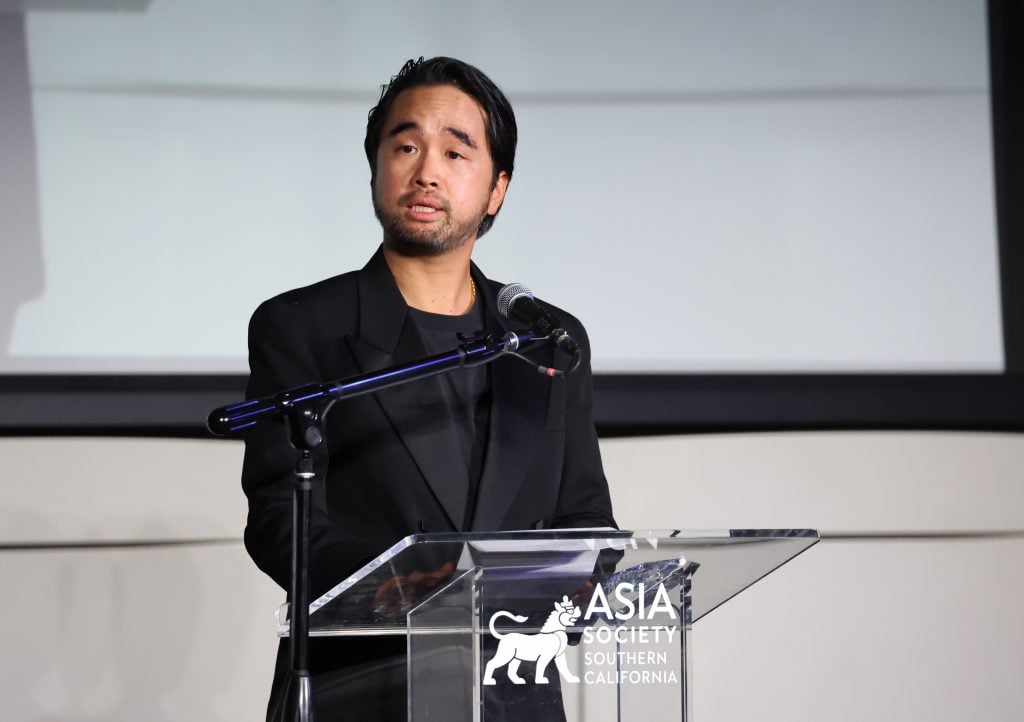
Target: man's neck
x,y
437,284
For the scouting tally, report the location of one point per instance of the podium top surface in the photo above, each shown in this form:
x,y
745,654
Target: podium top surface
x,y
717,564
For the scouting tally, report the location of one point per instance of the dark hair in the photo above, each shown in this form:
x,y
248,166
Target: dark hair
x,y
500,120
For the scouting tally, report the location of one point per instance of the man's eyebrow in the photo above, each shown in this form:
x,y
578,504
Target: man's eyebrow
x,y
461,135
402,127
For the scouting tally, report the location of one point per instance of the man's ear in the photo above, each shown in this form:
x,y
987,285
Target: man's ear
x,y
498,193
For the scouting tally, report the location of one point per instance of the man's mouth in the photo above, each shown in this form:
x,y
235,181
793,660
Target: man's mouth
x,y
423,207
423,203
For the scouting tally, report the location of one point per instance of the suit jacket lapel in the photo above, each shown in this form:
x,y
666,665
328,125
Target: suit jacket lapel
x,y
518,414
386,337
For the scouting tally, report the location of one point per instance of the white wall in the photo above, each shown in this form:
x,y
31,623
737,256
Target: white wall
x,y
923,628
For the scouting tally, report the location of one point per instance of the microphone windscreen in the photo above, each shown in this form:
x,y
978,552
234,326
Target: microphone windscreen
x,y
508,295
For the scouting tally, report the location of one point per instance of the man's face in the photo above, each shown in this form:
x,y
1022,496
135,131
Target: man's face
x,y
433,184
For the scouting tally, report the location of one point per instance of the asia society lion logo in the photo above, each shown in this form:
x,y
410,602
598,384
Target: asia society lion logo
x,y
548,644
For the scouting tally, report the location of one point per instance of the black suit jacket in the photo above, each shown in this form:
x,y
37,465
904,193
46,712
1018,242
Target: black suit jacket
x,y
385,471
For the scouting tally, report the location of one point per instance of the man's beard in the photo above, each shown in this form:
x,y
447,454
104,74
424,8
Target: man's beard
x,y
413,239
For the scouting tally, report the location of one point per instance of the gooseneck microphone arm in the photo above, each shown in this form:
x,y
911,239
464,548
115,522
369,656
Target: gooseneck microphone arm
x,y
474,351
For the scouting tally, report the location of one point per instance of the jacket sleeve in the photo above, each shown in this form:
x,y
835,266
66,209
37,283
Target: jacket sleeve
x,y
583,499
280,357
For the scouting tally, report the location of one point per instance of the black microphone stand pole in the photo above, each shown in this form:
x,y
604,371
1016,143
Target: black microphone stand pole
x,y
304,425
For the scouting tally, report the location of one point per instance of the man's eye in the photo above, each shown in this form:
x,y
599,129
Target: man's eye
x,y
454,155
407,148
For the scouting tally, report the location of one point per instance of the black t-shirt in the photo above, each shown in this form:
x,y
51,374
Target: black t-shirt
x,y
467,390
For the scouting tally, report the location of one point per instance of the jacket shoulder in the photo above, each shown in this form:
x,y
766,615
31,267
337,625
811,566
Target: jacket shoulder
x,y
330,303
325,291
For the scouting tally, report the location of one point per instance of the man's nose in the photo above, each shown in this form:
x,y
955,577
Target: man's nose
x,y
428,172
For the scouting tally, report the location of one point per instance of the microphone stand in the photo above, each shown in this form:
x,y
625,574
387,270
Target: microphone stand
x,y
303,409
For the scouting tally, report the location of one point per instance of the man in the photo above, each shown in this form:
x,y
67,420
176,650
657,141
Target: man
x,y
496,447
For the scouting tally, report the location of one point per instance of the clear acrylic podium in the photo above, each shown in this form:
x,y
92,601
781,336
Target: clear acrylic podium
x,y
565,624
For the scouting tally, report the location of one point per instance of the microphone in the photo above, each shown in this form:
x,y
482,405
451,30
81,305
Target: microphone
x,y
516,302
